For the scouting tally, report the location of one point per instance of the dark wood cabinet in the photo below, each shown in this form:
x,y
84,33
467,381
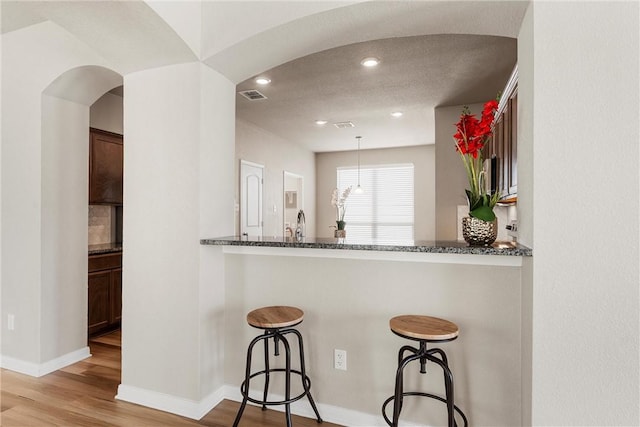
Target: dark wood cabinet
x,y
99,288
105,167
105,293
504,143
116,296
513,154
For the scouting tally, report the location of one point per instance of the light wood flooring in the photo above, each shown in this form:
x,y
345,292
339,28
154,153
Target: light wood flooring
x,y
83,395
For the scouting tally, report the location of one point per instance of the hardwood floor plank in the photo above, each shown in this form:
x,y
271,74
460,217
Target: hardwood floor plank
x,y
9,400
43,414
83,395
14,417
112,338
125,414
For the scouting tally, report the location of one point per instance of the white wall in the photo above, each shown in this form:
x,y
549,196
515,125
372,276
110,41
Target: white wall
x,y
525,152
65,173
277,155
161,263
217,148
348,304
21,178
32,206
585,298
178,165
525,200
423,159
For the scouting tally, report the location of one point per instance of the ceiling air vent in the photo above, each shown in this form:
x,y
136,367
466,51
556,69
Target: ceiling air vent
x,y
252,95
344,125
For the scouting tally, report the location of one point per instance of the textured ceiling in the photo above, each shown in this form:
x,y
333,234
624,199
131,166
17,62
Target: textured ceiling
x,y
418,72
416,75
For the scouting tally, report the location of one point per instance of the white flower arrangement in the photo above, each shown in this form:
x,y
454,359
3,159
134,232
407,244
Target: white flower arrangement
x,y
338,202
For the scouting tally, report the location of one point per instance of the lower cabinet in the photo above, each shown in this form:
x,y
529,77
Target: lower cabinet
x,y
105,293
116,296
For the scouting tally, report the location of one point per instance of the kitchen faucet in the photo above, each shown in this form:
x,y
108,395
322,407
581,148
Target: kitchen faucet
x,y
300,227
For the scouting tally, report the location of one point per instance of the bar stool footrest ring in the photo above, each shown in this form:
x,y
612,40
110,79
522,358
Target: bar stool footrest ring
x,y
417,393
306,385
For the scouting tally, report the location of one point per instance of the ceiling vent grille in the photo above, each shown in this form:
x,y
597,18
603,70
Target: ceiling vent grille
x,y
344,125
252,95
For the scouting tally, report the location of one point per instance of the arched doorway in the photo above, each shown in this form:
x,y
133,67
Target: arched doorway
x,y
64,219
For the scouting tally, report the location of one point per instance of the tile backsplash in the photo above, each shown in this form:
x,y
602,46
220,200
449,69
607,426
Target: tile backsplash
x,y
102,224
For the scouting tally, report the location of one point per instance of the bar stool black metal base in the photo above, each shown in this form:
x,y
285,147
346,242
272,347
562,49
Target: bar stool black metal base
x,y
423,355
277,335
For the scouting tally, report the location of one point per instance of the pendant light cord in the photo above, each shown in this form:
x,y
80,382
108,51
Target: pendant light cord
x,y
358,161
359,189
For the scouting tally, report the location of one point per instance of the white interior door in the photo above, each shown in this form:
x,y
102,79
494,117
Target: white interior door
x,y
251,180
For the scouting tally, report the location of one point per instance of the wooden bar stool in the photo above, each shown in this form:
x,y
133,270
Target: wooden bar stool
x,y
276,321
423,329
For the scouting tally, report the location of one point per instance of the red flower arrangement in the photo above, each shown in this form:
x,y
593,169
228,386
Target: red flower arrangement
x,y
471,136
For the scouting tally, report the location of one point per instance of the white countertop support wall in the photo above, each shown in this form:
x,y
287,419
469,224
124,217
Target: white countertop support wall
x,y
348,297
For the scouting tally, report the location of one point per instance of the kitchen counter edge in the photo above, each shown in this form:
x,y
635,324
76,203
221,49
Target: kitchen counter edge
x,y
107,248
453,247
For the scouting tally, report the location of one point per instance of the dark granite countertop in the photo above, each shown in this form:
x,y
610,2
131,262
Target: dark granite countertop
x,y
105,248
453,247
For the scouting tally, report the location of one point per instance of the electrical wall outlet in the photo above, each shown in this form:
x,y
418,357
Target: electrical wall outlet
x,y
11,322
340,359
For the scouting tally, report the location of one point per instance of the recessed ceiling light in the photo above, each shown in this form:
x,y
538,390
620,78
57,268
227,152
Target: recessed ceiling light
x,y
263,81
321,122
370,62
397,114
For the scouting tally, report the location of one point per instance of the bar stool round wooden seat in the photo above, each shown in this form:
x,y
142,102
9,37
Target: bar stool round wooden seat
x,y
424,329
276,321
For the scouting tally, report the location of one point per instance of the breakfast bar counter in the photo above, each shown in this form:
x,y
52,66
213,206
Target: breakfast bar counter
x,y
350,289
449,252
444,247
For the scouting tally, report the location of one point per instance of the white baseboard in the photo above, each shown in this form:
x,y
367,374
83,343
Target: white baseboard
x,y
168,403
330,413
197,410
38,370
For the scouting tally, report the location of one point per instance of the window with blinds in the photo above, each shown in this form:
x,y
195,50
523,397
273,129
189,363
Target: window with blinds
x,y
384,212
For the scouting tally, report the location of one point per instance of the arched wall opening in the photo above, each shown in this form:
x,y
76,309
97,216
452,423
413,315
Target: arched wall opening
x,y
259,50
64,221
358,22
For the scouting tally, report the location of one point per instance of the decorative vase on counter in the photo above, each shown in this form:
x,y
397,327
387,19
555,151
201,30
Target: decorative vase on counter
x,y
340,231
477,232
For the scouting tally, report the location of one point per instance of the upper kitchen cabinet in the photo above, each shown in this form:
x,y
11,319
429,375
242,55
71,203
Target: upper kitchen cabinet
x,y
504,144
105,168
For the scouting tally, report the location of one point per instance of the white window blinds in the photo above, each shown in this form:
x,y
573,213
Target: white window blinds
x,y
384,212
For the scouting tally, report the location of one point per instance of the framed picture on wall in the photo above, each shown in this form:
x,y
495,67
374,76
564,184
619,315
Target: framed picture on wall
x,y
291,199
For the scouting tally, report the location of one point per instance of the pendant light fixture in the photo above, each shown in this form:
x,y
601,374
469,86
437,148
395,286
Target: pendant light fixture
x,y
358,189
